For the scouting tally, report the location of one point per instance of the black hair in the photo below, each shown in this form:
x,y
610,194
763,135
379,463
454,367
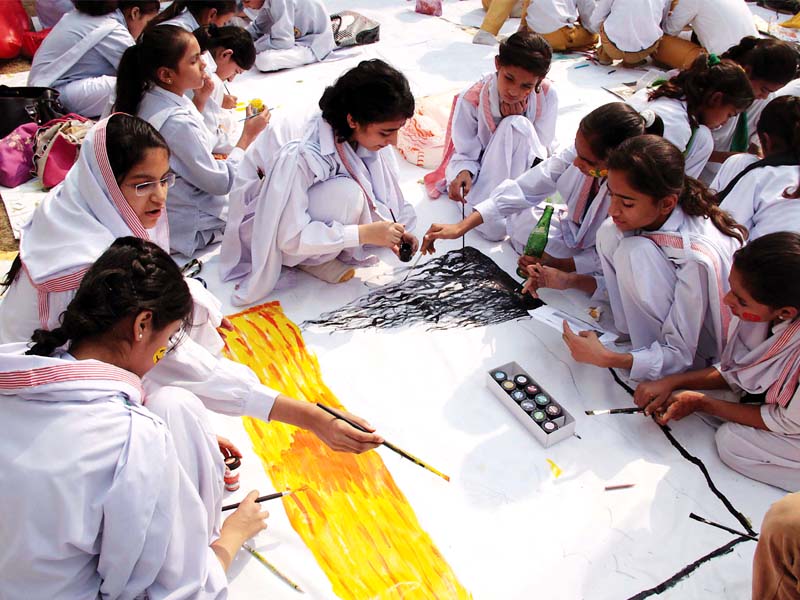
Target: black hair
x,y
655,167
371,92
161,46
127,139
528,51
145,6
780,120
769,266
230,37
702,79
607,126
132,276
769,59
95,8
196,7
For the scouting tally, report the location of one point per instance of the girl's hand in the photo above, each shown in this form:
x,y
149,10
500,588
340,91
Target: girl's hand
x,y
247,520
653,395
411,239
526,261
585,347
540,276
454,190
254,126
202,93
438,231
381,233
343,437
680,405
229,101
512,108
227,448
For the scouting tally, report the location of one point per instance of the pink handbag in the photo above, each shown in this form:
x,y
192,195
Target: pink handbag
x,y
57,145
16,155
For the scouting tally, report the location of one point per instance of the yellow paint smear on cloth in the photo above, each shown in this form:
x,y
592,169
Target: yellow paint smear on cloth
x,y
354,519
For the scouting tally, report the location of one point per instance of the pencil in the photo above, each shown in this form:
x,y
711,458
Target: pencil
x,y
260,499
392,447
623,486
718,526
260,558
615,411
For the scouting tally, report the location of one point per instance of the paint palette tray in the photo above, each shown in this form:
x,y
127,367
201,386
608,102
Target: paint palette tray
x,y
531,404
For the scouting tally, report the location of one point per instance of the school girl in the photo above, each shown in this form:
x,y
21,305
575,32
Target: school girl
x,y
118,188
694,102
81,55
770,64
115,515
718,24
761,360
191,14
328,194
578,175
501,125
762,194
629,29
666,253
290,33
229,52
154,77
561,22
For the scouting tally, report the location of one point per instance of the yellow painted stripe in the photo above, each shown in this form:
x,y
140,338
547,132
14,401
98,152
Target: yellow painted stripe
x,y
354,519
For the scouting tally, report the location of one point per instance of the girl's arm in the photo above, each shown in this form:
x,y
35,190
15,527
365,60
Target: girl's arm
x,y
682,404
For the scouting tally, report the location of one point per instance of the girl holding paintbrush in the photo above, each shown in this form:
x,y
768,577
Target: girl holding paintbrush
x,y
761,360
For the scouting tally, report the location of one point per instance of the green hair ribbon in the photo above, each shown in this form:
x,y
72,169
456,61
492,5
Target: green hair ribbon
x,y
713,60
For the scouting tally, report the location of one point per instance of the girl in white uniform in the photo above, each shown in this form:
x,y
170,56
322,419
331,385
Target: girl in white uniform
x,y
629,29
500,126
761,361
80,56
154,78
770,64
666,254
561,22
694,102
232,52
191,14
118,188
290,33
578,176
328,194
763,194
114,516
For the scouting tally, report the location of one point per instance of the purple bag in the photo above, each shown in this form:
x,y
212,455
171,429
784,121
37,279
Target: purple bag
x,y
16,155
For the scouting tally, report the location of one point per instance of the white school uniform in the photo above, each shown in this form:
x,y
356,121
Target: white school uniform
x,y
281,211
667,298
291,33
631,25
198,203
790,89
759,361
80,58
51,11
696,145
185,20
491,147
114,516
719,24
221,122
547,16
758,201
72,227
516,205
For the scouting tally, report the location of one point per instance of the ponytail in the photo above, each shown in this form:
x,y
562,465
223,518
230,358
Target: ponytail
x,y
655,167
236,39
707,75
608,126
768,59
12,274
132,276
158,47
196,7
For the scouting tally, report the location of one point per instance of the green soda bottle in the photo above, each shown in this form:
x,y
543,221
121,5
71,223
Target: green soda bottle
x,y
537,240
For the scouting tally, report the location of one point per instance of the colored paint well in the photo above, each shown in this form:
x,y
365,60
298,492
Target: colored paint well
x,y
499,376
553,411
508,385
549,426
518,396
527,405
539,416
522,381
541,400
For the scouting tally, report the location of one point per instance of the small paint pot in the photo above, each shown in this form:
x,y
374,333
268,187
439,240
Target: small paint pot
x,y
539,416
499,376
518,396
553,411
541,400
522,381
508,385
531,390
406,252
233,462
231,480
549,426
527,405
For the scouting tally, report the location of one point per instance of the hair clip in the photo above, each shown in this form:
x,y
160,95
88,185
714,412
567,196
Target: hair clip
x,y
713,60
598,172
649,117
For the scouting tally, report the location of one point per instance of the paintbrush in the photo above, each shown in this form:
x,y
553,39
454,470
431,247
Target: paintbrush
x,y
402,453
405,249
227,91
718,526
260,558
414,266
256,114
463,202
615,411
266,498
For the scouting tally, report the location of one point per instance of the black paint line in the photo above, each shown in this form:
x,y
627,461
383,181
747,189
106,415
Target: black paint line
x,y
688,570
698,463
462,288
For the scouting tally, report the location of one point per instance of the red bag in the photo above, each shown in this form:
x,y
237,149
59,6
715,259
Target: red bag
x,y
14,22
31,40
57,145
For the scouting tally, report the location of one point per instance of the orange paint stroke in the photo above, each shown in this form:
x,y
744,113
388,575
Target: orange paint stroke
x,y
354,519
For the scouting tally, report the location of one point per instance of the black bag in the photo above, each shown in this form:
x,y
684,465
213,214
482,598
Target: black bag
x,y
20,105
354,29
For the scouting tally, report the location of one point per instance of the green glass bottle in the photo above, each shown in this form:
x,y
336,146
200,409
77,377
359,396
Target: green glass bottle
x,y
537,240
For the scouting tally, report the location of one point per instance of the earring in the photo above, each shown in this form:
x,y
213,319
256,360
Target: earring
x,y
169,80
140,336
